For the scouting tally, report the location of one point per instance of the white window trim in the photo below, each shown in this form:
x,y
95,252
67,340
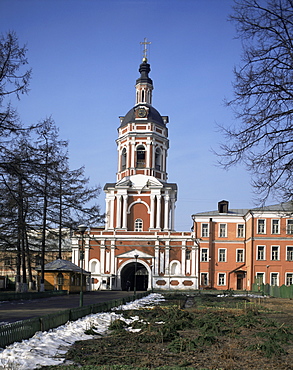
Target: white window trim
x,y
201,232
225,249
208,278
279,223
288,227
218,277
240,249
243,230
286,276
264,252
278,276
219,231
278,259
291,246
264,276
208,255
265,226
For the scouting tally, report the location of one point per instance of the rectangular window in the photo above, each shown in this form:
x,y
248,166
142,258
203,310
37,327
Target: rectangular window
x,y
221,279
204,230
275,226
289,253
289,278
204,279
275,253
261,226
240,255
289,226
240,231
274,278
188,253
222,255
204,255
260,278
260,253
222,230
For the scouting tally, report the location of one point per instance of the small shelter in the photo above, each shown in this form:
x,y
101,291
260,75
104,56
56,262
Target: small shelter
x,y
64,275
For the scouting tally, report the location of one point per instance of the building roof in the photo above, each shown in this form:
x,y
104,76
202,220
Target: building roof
x,y
281,207
153,116
62,266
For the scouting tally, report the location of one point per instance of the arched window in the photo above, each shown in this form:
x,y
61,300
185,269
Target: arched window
x,y
138,224
140,156
158,159
175,268
123,159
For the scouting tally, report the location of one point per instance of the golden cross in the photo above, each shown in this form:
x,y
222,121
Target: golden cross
x,y
145,50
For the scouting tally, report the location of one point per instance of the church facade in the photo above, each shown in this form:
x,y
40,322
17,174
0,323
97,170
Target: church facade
x,y
138,247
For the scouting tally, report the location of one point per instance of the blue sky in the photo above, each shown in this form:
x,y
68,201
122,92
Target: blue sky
x,y
85,56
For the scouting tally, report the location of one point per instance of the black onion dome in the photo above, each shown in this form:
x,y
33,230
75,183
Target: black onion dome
x,y
144,70
153,116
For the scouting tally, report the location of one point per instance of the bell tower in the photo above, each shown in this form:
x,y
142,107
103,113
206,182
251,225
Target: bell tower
x,y
141,199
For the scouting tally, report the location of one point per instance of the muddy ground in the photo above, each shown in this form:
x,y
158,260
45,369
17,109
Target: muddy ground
x,y
196,332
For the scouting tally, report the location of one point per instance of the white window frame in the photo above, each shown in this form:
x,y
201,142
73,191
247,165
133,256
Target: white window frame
x,y
273,252
275,226
242,228
264,253
207,278
220,229
289,228
264,226
138,225
263,274
243,256
277,278
287,253
225,255
201,255
207,229
286,278
222,276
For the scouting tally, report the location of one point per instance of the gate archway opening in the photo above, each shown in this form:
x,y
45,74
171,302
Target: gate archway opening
x,y
127,277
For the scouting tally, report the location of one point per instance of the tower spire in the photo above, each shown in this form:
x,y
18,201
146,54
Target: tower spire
x,y
144,84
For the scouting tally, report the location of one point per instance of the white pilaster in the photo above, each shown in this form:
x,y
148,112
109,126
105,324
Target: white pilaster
x,y
152,215
102,254
156,260
118,211
124,217
166,212
183,257
158,223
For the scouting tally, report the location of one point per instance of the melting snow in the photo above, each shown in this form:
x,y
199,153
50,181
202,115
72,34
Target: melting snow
x,y
49,348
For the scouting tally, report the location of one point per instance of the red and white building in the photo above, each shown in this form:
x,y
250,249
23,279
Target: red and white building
x,y
138,245
239,247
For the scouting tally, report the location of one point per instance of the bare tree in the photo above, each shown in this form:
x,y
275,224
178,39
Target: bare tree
x,y
262,137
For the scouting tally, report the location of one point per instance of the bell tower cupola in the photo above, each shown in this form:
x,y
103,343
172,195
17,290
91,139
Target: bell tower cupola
x,y
144,84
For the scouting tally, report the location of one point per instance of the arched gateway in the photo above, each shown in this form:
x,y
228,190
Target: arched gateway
x,y
134,274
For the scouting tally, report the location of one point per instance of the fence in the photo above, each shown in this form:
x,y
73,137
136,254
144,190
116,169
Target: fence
x,y
17,331
284,291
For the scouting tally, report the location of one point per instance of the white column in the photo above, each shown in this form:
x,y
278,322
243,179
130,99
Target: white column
x,y
133,154
111,223
167,257
102,258
148,155
124,217
152,215
158,223
107,213
112,268
166,212
193,260
172,213
156,259
86,254
183,257
118,211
